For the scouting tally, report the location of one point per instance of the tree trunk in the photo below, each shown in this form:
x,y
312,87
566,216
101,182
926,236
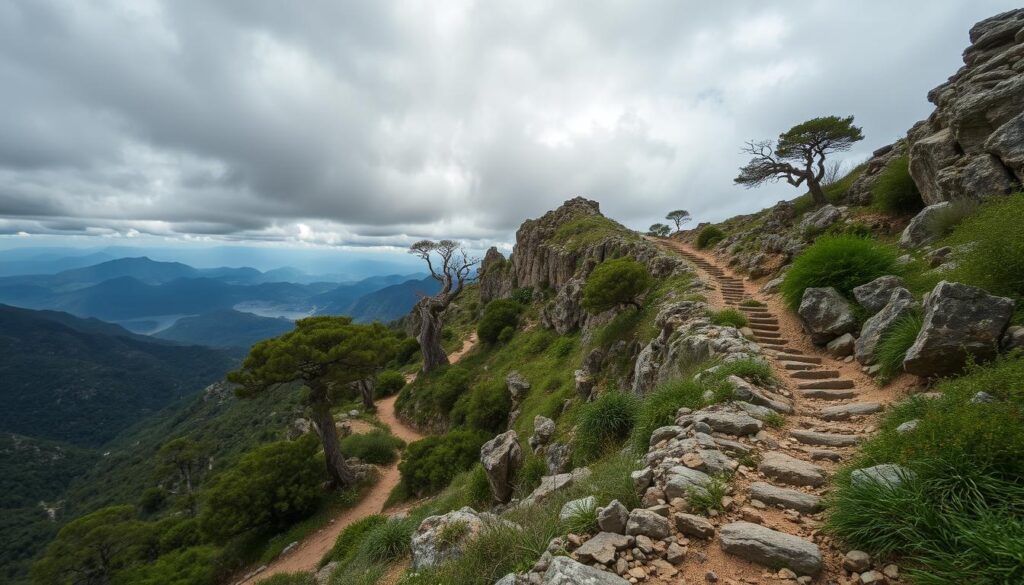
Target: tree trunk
x,y
366,391
341,474
430,336
816,193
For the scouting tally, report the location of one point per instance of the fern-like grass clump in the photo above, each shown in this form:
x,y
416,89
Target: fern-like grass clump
x,y
841,262
893,346
729,318
603,423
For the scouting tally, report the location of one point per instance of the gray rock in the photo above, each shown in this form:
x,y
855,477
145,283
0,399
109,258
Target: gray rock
x,y
959,321
501,457
792,499
323,576
841,346
642,478
900,306
565,571
511,578
558,459
820,220
845,411
693,525
825,439
662,433
648,523
790,470
613,517
826,314
550,484
982,398
682,480
1013,338
857,561
759,412
428,549
773,286
543,430
771,548
517,385
908,426
928,157
748,392
886,474
602,547
730,423
578,506
716,462
1007,143
876,294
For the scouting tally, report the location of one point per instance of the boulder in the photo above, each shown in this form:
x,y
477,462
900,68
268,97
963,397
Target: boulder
x,y
1013,338
901,305
875,295
841,346
648,523
543,430
845,411
602,548
920,231
820,220
565,571
1007,143
826,314
928,156
429,549
501,457
771,548
959,321
323,576
613,518
558,458
550,484
517,386
731,423
886,474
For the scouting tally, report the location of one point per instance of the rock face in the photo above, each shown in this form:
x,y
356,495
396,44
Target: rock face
x,y
971,145
826,314
501,456
919,231
771,548
875,295
821,219
613,518
428,549
901,304
565,571
495,276
959,321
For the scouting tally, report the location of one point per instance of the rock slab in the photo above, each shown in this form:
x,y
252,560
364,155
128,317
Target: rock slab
x,y
771,548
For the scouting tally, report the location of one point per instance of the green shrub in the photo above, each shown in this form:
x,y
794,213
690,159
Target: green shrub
x,y
523,296
754,371
538,340
894,190
486,408
842,262
346,546
268,489
443,388
187,566
377,447
709,236
993,257
616,283
499,314
387,541
893,346
478,489
774,420
602,423
506,334
563,346
290,579
728,318
658,409
389,382
431,463
407,351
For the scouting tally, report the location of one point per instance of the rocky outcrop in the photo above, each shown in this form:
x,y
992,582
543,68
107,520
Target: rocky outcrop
x,y
826,314
901,305
543,430
458,527
818,221
861,188
875,295
501,457
972,144
960,321
495,276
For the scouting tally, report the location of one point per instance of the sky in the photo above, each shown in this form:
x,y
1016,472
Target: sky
x,y
355,124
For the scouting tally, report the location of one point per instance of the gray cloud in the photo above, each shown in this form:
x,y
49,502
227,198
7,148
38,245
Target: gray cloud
x,y
375,123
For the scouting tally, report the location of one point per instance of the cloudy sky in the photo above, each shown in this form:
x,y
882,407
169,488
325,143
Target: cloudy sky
x,y
377,123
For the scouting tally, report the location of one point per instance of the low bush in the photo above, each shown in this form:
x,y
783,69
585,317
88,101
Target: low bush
x,y
523,296
992,256
729,318
377,447
485,408
431,463
408,350
893,346
841,262
498,315
478,489
754,371
616,283
389,382
387,541
709,236
751,303
894,190
604,423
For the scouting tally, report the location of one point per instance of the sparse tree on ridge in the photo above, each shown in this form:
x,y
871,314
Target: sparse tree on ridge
x,y
659,230
326,354
449,265
799,154
679,217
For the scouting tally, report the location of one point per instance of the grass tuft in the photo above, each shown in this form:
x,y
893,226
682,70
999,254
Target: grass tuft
x,y
603,423
841,262
895,190
728,318
893,346
709,498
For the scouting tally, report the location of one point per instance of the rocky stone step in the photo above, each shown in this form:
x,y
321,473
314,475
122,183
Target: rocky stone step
x,y
770,548
845,411
792,357
826,394
762,326
792,499
757,310
824,439
826,385
797,366
782,467
768,334
814,374
764,341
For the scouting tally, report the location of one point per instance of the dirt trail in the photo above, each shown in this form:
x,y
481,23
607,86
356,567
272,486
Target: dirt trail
x,y
307,554
813,381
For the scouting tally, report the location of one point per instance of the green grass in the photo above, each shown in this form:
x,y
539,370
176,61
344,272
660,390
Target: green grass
x,y
943,221
995,258
728,318
704,500
751,303
529,475
709,236
347,544
841,262
894,190
961,519
377,446
658,408
583,520
387,541
754,371
893,346
585,231
775,420
603,424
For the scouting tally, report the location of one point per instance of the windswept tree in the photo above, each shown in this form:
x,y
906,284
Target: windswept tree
x,y
326,354
798,156
184,458
450,266
659,230
678,217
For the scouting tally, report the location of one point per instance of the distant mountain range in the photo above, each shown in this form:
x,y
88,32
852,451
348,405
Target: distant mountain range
x,y
226,328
